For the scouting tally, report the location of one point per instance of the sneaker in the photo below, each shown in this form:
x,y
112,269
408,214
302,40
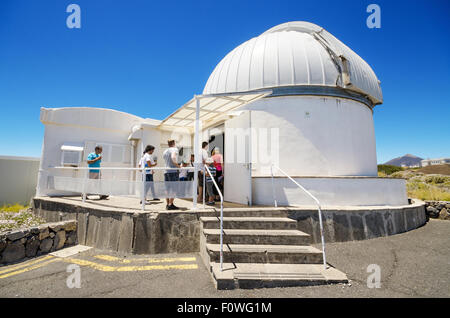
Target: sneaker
x,y
167,207
173,207
210,203
104,197
155,199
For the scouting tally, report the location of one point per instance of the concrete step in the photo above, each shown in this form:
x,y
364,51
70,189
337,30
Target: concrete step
x,y
253,212
244,275
281,254
255,223
269,237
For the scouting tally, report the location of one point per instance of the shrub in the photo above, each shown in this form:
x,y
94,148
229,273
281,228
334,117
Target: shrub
x,y
389,169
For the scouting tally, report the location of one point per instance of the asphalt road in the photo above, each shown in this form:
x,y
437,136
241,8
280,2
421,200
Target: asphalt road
x,y
412,264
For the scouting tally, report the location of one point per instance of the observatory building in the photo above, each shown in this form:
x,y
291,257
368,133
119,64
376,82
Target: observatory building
x,y
294,97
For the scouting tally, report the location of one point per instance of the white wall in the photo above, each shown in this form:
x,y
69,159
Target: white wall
x,y
317,136
343,191
18,177
78,125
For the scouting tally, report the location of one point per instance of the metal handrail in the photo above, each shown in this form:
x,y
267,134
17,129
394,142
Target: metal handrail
x,y
221,216
318,206
142,169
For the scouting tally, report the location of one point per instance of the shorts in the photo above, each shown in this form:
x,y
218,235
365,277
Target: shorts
x,y
210,188
171,186
200,179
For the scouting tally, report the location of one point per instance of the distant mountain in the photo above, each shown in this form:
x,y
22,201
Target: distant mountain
x,y
407,160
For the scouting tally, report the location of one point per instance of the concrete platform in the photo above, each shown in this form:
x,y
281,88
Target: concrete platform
x,y
245,276
118,224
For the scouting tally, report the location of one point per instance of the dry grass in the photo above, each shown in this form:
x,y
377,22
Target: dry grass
x,y
438,169
17,216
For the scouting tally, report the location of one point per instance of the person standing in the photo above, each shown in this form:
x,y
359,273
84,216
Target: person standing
x,y
209,180
170,156
147,161
200,172
94,159
218,164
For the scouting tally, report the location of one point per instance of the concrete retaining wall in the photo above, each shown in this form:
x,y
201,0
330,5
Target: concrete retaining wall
x,y
354,224
34,241
139,233
179,232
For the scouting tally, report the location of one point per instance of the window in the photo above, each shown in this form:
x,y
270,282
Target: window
x,y
71,155
113,153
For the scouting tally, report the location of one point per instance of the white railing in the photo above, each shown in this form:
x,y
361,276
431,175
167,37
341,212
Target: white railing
x,y
315,200
83,187
221,214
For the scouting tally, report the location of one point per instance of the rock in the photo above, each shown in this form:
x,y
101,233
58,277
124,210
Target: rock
x,y
71,238
13,252
432,212
32,246
52,235
2,245
43,232
15,235
70,226
23,240
34,230
46,245
55,227
444,214
59,240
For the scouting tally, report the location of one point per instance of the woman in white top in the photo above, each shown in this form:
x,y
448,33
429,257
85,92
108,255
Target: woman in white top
x,y
147,161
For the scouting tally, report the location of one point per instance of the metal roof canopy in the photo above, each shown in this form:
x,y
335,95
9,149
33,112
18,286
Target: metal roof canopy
x,y
208,108
212,108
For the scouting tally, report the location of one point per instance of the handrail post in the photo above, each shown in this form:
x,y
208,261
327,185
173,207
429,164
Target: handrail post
x,y
322,239
221,215
273,187
320,214
204,187
84,185
143,195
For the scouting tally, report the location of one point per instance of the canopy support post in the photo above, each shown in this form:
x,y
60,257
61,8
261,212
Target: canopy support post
x,y
197,160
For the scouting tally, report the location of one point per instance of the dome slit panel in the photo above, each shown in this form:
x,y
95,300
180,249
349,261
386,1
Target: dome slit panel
x,y
300,61
242,75
256,67
305,55
233,69
319,50
285,63
314,62
291,57
222,73
254,40
231,78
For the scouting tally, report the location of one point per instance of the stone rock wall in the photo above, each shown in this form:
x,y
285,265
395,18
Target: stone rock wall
x,y
438,209
34,241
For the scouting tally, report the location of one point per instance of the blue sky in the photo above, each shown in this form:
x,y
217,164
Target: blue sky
x,y
149,57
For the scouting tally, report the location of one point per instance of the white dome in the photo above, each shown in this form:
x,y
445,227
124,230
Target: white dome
x,y
294,54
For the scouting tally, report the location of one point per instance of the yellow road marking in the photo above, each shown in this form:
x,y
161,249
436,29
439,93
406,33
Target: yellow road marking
x,y
14,267
106,268
112,258
149,260
169,260
29,268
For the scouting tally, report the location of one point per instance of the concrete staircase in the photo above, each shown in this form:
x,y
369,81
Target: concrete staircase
x,y
262,249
